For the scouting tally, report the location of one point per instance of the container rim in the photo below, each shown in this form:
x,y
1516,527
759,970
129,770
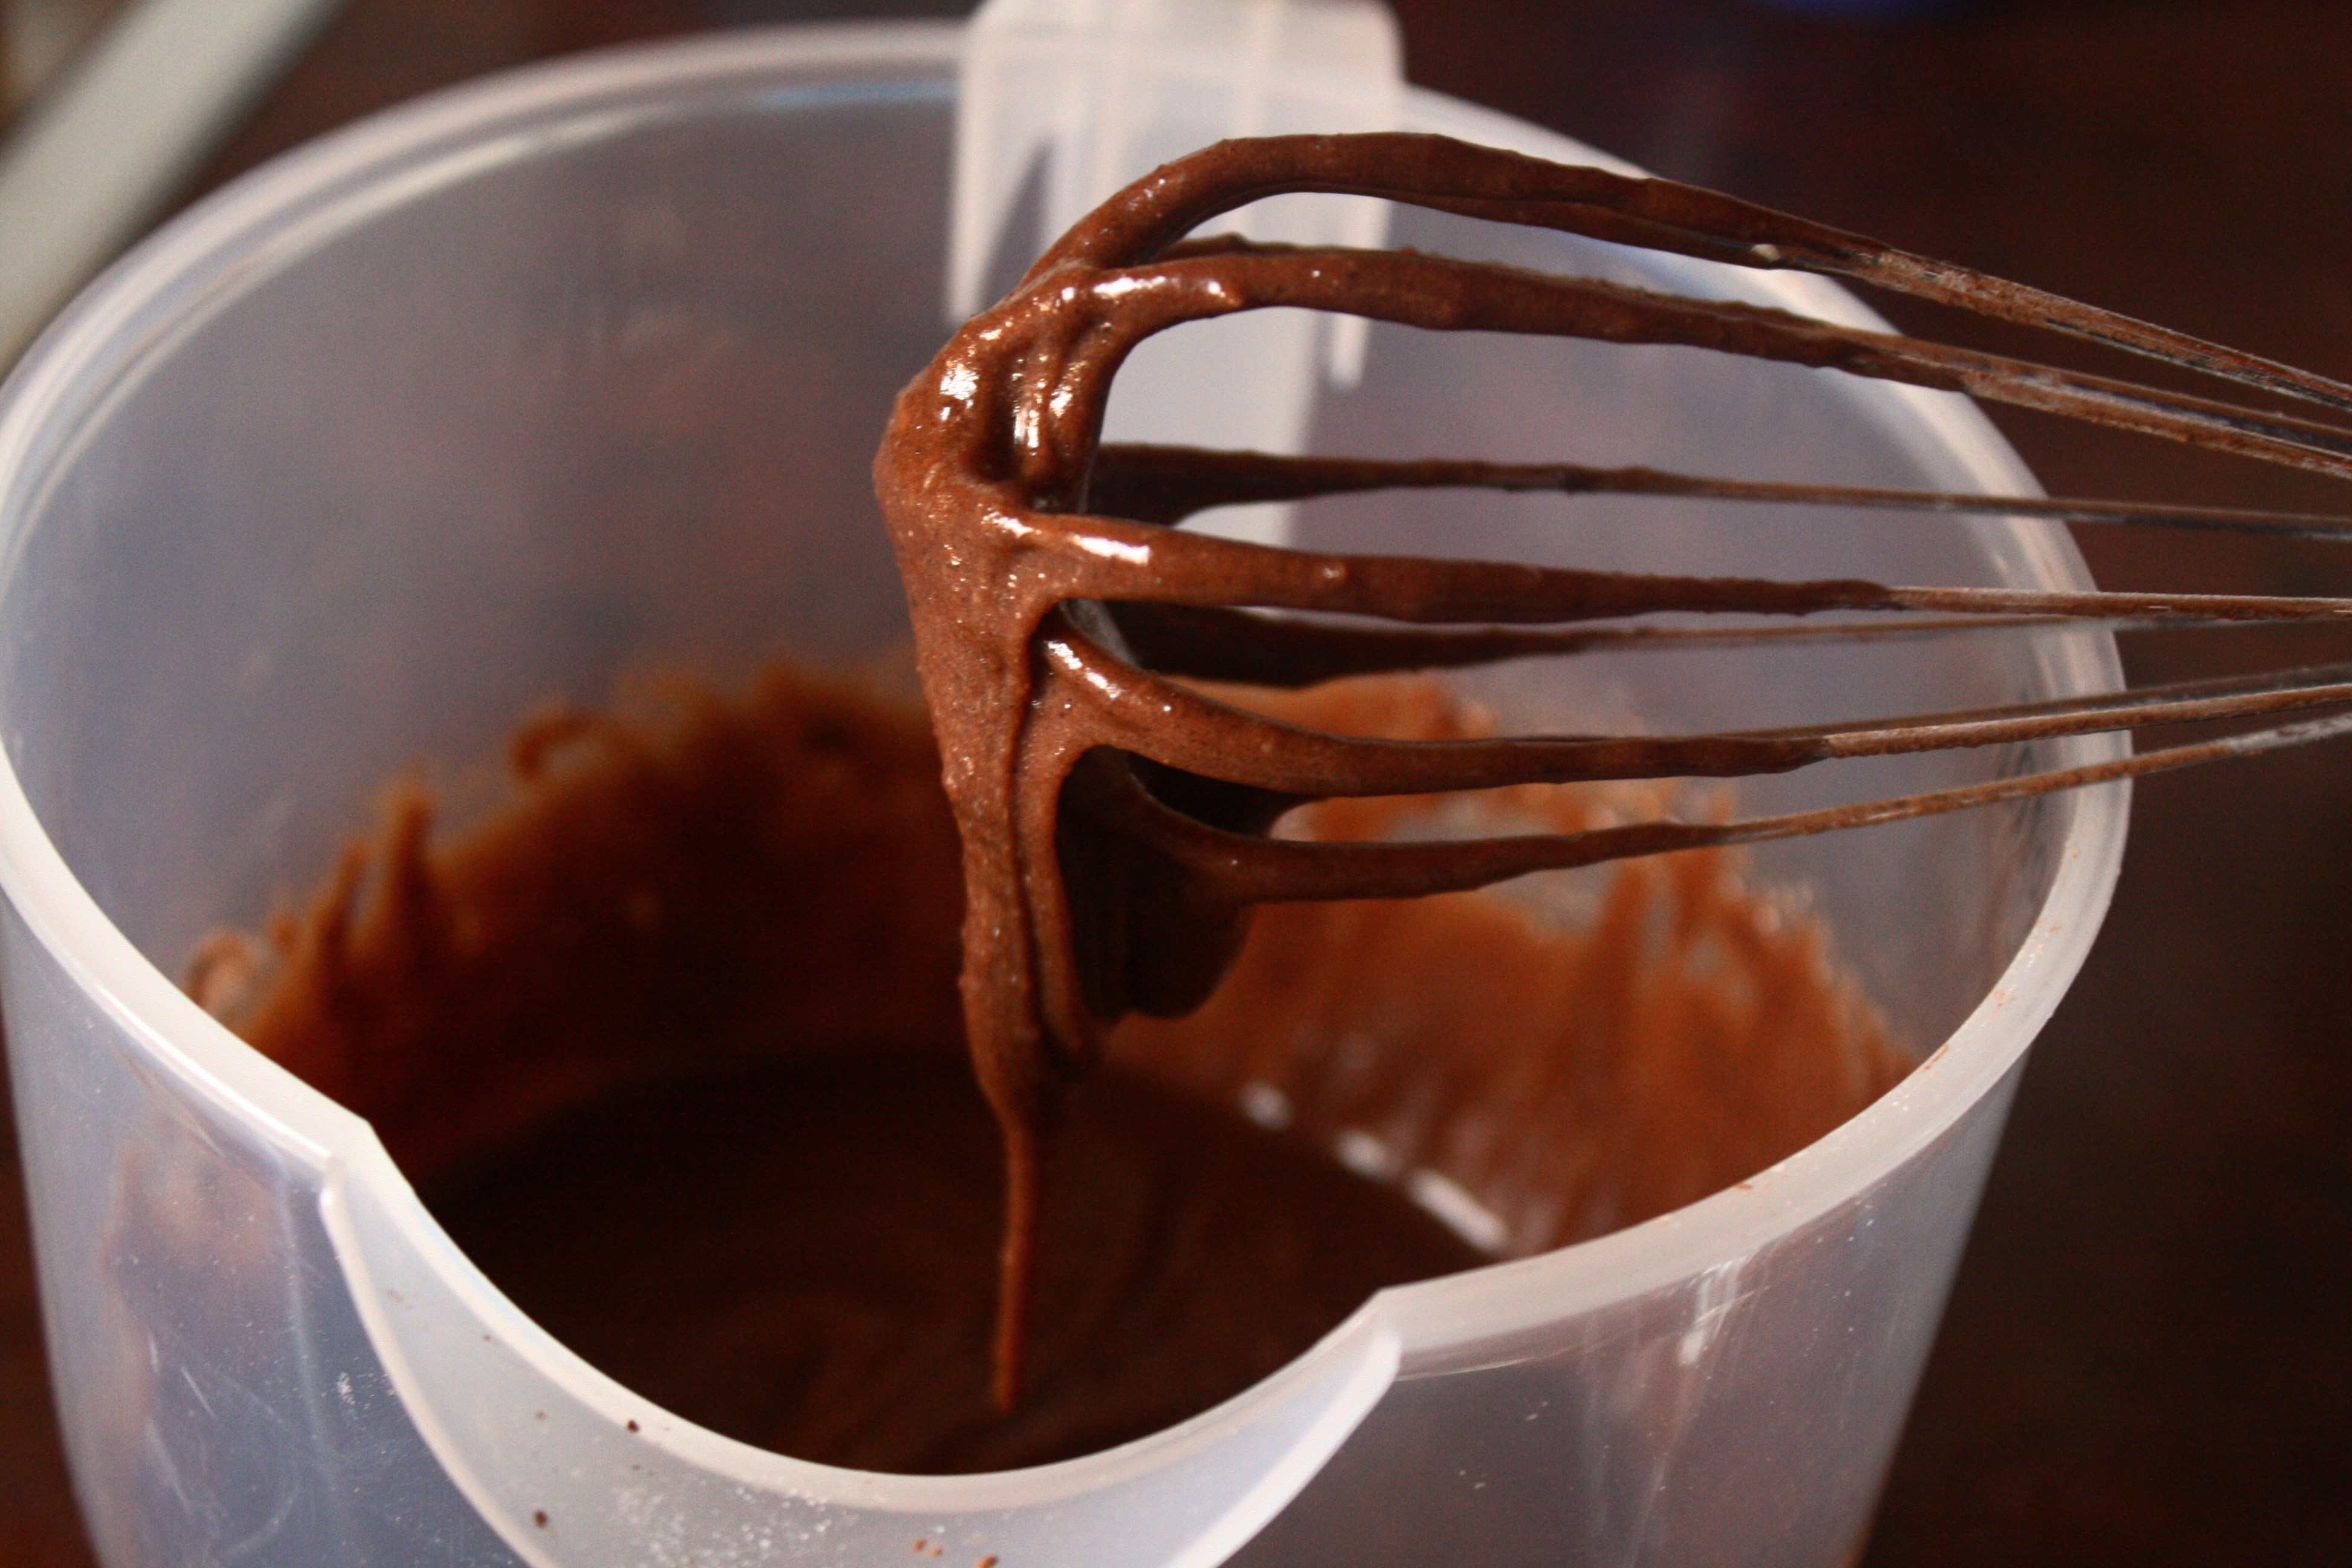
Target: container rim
x,y
134,309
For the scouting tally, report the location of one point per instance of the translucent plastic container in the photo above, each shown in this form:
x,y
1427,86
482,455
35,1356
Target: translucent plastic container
x,y
367,455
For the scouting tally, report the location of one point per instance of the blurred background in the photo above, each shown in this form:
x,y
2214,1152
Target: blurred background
x,y
2149,1353
37,38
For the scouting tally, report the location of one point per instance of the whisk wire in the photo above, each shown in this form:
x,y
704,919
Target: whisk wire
x,y
1256,870
1154,213
1175,482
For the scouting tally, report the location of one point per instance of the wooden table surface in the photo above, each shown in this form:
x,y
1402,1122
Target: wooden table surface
x,y
2148,1355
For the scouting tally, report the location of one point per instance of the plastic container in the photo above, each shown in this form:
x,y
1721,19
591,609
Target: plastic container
x,y
362,458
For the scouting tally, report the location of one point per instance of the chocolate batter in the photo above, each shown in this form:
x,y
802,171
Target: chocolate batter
x,y
670,1044
803,1255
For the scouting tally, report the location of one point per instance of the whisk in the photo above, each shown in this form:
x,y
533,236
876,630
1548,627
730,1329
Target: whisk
x,y
1117,818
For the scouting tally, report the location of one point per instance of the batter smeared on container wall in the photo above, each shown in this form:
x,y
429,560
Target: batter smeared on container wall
x,y
671,1045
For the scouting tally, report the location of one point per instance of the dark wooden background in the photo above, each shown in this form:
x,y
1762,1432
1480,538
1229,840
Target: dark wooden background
x,y
2148,1356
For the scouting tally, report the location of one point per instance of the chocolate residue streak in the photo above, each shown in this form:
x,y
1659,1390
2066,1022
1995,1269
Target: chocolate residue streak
x,y
1680,1035
670,1045
671,895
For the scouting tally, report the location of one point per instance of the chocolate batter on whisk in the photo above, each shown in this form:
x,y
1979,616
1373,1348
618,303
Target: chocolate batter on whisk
x,y
1114,821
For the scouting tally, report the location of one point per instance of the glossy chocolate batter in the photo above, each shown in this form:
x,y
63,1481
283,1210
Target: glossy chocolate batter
x,y
670,1044
803,1255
